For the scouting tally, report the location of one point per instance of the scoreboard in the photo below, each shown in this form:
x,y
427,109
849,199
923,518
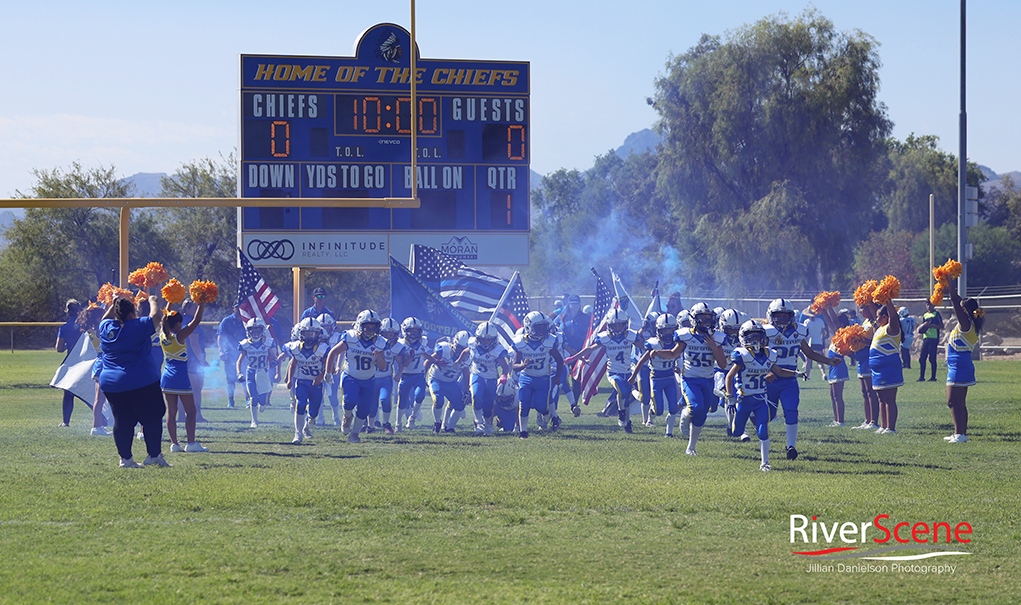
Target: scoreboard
x,y
340,127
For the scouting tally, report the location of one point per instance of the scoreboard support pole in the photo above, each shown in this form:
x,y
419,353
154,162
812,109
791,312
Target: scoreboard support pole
x,y
127,203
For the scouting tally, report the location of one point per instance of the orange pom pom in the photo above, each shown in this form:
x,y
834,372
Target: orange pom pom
x,y
174,292
203,291
937,294
105,295
825,300
887,290
863,295
137,278
850,339
148,276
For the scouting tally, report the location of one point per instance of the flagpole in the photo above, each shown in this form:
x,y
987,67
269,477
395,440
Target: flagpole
x,y
510,286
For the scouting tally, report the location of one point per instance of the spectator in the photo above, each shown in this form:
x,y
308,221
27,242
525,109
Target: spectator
x,y
674,306
229,334
67,337
318,305
932,323
815,331
908,323
131,379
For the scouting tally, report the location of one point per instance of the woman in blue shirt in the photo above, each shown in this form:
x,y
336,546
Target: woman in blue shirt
x,y
131,379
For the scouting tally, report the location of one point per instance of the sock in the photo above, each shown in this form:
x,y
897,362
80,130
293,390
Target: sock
x,y
386,417
792,434
764,449
437,415
522,423
646,412
670,423
454,418
480,420
570,398
255,413
299,422
693,439
336,413
356,426
308,421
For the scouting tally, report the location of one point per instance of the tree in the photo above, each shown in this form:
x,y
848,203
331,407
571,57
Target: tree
x,y
919,168
58,253
780,101
888,253
204,238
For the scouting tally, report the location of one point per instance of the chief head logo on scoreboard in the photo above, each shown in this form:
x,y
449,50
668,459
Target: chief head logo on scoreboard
x,y
389,47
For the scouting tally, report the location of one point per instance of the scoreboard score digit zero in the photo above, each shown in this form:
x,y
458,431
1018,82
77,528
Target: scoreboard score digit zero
x,y
340,127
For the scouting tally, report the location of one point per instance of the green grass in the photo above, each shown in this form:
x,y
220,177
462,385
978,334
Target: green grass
x,y
586,515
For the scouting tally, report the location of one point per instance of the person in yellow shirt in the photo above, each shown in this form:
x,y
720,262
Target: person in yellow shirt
x,y
963,339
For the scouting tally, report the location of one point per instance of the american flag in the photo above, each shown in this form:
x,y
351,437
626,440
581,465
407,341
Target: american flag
x,y
255,298
511,311
470,291
590,372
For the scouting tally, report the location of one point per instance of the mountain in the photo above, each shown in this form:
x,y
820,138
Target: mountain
x,y
147,184
637,142
995,182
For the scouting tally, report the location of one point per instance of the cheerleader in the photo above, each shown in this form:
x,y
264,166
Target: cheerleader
x,y
174,382
886,366
870,399
963,339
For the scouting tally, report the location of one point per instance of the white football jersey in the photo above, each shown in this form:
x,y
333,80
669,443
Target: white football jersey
x,y
361,355
537,354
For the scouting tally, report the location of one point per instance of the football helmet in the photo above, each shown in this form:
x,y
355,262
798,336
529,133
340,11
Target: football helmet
x,y
460,340
536,326
730,322
389,329
780,313
328,323
702,317
310,330
903,312
486,335
616,322
684,319
411,327
753,336
666,326
505,390
649,324
255,328
367,324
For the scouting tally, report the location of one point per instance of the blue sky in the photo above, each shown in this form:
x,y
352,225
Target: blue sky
x,y
148,86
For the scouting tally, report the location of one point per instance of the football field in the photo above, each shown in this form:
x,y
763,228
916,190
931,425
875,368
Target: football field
x,y
587,514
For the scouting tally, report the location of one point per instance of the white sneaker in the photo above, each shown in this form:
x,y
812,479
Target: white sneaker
x,y
195,447
957,439
255,425
889,432
949,437
835,424
345,424
864,425
880,431
744,438
690,452
765,468
176,447
297,437
354,438
308,432
140,436
101,430
649,424
157,461
129,463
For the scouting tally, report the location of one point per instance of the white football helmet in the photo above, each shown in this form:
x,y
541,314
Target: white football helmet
x,y
903,312
780,313
328,323
505,390
255,328
753,336
486,335
389,329
730,322
703,317
536,326
460,340
367,324
310,330
684,319
412,328
666,326
649,324
616,322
